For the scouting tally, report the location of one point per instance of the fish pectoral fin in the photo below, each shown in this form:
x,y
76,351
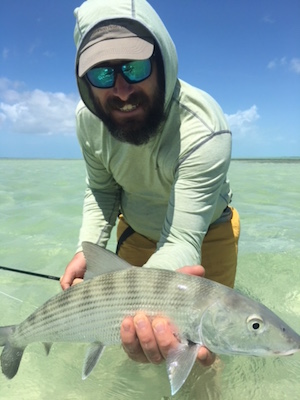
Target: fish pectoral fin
x,y
180,361
100,261
92,357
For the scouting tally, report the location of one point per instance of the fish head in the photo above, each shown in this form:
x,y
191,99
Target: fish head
x,y
236,324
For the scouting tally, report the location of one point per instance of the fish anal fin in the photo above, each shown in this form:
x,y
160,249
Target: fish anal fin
x,y
92,357
47,347
179,362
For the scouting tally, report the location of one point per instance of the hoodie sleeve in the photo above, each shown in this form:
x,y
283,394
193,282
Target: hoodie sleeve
x,y
102,196
199,194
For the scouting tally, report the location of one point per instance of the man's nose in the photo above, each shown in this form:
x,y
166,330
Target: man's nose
x,y
122,89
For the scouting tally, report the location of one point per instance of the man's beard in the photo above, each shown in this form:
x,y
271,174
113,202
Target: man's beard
x,y
134,131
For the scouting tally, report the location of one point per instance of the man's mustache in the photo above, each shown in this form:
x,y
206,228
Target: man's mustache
x,y
134,99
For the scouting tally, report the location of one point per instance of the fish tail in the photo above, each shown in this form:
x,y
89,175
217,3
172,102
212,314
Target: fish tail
x,y
11,356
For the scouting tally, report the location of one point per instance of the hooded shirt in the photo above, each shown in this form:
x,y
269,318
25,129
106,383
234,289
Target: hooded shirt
x,y
171,189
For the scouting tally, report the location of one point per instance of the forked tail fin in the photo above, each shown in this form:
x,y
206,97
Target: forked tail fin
x,y
11,356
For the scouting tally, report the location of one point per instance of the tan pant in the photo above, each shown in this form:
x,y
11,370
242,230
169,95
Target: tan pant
x,y
219,249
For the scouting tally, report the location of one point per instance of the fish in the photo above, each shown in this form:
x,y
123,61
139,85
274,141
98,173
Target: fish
x,y
204,312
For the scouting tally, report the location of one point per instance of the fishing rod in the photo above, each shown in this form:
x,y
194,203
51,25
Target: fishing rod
x,y
55,278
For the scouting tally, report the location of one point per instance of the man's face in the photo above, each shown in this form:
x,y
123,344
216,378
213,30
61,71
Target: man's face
x,y
132,112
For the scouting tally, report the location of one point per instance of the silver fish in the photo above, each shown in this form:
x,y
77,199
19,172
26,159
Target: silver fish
x,y
205,313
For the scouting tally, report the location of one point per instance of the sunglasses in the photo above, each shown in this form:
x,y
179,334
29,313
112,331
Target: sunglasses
x,y
133,72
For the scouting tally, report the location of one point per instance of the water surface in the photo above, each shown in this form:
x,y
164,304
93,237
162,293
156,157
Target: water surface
x,y
40,209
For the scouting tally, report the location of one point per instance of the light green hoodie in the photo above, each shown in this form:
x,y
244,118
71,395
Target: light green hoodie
x,y
170,189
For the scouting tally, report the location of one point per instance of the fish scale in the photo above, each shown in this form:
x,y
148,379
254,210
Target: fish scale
x,y
202,312
99,305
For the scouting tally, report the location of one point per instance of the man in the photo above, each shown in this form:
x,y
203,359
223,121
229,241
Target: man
x,y
157,150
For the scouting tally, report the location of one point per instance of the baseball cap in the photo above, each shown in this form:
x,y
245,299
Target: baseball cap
x,y
114,42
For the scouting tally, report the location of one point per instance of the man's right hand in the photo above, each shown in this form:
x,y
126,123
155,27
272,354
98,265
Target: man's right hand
x,y
74,271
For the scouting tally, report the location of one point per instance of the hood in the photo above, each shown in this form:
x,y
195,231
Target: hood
x,y
93,12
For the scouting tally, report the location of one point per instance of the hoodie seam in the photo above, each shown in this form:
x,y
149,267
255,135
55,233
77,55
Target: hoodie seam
x,y
211,136
133,13
214,134
195,115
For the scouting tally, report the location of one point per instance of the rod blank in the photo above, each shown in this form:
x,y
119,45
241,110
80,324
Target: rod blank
x,y
55,278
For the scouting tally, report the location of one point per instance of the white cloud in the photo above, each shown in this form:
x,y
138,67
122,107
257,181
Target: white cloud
x,y
292,64
33,46
35,111
242,121
6,85
272,64
295,65
277,62
283,61
268,19
5,53
2,118
48,54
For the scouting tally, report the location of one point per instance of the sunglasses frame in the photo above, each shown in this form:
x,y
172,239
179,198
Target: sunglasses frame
x,y
117,69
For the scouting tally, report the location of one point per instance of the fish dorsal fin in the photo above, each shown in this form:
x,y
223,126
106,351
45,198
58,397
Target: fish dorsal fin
x,y
100,261
179,362
92,357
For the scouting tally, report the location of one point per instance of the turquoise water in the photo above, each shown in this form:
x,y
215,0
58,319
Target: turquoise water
x,y
40,208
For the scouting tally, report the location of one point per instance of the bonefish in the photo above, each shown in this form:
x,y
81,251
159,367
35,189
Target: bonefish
x,y
205,313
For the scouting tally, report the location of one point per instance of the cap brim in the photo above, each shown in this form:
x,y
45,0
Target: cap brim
x,y
130,48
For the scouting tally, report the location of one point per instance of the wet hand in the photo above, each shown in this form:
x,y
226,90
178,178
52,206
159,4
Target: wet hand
x,y
146,340
74,271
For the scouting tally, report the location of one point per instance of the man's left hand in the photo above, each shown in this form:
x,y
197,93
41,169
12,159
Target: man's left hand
x,y
150,341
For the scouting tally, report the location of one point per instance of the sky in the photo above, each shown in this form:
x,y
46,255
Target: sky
x,y
246,54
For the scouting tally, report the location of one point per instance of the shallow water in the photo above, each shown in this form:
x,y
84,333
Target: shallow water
x,y
40,208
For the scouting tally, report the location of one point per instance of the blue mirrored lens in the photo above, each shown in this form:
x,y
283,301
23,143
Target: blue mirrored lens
x,y
132,72
101,77
137,71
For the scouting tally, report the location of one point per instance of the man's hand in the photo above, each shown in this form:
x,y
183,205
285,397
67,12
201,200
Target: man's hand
x,y
74,272
150,341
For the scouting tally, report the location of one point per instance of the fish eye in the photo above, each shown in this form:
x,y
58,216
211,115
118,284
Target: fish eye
x,y
255,323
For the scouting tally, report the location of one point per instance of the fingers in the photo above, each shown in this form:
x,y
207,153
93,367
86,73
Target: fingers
x,y
139,340
131,342
164,335
147,338
74,271
76,281
65,281
166,340
146,341
69,279
196,270
206,357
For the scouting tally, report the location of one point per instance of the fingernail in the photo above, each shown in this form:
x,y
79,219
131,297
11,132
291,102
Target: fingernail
x,y
140,324
126,326
159,327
